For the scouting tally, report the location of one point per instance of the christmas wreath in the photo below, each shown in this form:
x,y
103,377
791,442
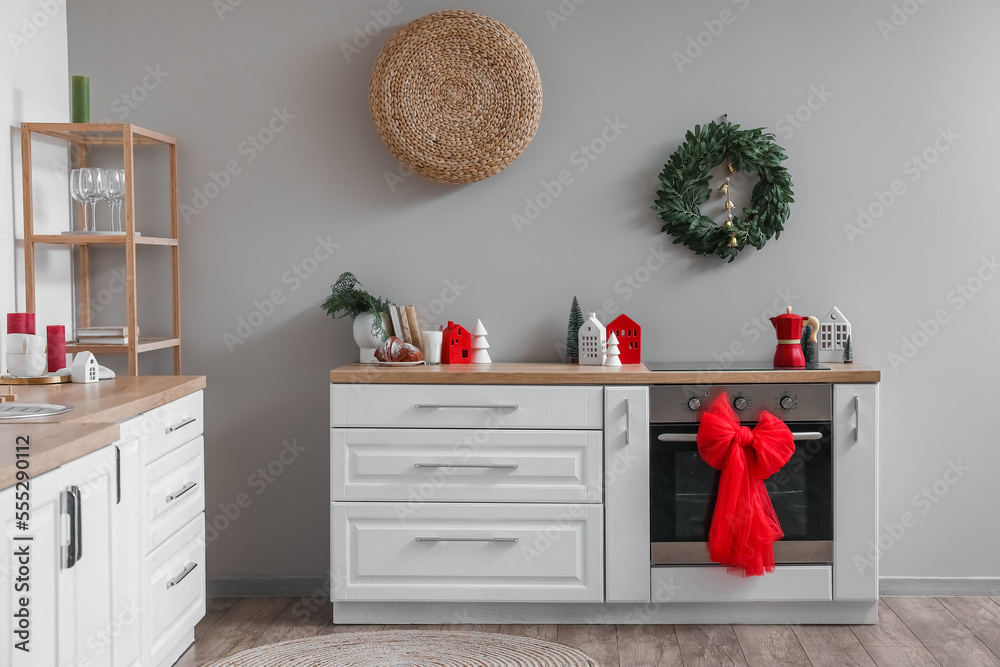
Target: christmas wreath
x,y
684,187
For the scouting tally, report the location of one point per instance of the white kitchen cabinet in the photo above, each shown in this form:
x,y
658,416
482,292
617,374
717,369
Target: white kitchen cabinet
x,y
68,568
473,493
855,479
126,559
626,483
36,579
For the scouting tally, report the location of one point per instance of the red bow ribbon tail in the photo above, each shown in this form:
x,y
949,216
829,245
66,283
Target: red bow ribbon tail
x,y
744,524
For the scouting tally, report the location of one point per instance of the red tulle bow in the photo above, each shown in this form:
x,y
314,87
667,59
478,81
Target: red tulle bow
x,y
744,525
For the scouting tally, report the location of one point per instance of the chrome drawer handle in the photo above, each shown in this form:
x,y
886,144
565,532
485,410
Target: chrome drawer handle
x,y
857,417
510,540
433,406
492,466
180,492
628,419
693,437
180,577
177,427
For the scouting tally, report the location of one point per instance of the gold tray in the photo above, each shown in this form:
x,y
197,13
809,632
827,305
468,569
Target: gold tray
x,y
45,379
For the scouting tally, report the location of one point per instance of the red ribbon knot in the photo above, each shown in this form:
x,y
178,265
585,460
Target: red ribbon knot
x,y
744,524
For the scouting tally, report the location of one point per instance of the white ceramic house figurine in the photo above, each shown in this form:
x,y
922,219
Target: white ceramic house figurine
x,y
480,353
613,352
592,341
834,330
85,368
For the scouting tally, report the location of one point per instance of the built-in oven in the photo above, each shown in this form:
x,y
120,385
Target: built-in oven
x,y
683,487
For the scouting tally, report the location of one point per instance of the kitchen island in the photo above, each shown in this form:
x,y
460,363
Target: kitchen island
x,y
521,493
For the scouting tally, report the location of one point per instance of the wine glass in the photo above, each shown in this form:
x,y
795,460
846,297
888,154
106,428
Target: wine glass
x,y
114,192
91,186
77,192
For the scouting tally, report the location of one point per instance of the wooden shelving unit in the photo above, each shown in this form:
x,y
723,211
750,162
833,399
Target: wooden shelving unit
x,y
79,136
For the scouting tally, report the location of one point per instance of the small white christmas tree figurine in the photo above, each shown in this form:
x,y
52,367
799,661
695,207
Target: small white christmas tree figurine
x,y
479,345
613,352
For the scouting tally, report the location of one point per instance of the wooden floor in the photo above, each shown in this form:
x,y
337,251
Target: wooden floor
x,y
911,632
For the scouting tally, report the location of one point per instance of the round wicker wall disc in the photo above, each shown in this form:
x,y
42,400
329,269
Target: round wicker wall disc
x,y
456,96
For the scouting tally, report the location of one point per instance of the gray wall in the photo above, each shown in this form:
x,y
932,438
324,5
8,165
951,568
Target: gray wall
x,y
887,96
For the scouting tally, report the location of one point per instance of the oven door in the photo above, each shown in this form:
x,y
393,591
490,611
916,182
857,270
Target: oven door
x,y
683,489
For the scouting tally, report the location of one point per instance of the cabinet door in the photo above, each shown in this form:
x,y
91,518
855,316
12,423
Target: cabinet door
x,y
36,580
126,558
626,493
855,495
85,590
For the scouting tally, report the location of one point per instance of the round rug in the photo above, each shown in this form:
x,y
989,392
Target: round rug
x,y
412,648
456,96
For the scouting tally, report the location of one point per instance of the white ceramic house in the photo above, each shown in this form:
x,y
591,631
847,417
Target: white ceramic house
x,y
592,341
834,330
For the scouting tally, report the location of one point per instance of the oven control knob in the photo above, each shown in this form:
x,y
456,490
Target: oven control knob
x,y
694,403
787,403
740,403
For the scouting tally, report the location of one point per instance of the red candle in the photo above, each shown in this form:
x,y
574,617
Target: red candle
x,y
23,323
56,346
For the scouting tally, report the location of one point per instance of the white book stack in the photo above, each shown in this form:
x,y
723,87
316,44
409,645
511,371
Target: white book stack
x,y
102,336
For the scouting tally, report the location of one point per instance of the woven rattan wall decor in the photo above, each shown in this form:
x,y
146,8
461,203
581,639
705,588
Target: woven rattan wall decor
x,y
456,96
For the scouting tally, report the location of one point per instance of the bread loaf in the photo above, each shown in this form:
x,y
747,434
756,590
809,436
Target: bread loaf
x,y
395,349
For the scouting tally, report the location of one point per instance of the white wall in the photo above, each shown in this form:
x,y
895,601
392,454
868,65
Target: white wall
x,y
34,80
887,97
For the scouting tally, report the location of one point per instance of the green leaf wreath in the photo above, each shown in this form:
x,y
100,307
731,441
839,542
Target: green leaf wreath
x,y
684,188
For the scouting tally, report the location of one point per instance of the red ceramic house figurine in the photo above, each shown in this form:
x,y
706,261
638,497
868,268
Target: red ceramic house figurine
x,y
456,345
629,336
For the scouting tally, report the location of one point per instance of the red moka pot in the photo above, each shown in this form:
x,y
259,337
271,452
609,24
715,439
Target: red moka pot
x,y
789,327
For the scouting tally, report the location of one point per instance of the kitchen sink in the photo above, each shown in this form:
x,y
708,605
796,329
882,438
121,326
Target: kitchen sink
x,y
31,410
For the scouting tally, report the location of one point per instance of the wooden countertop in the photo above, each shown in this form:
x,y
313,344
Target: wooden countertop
x,y
50,446
91,424
107,401
561,374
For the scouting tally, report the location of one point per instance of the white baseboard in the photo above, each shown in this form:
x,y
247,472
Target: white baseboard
x,y
319,585
939,586
303,586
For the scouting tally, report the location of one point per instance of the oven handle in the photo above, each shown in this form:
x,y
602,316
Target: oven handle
x,y
693,437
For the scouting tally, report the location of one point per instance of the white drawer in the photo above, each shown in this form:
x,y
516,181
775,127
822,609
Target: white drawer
x,y
484,552
169,426
715,584
466,406
175,596
420,466
175,492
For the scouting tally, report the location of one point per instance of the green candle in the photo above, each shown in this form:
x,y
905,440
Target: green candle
x,y
81,99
